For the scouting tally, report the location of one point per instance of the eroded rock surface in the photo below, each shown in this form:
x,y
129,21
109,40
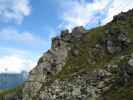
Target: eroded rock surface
x,y
51,62
103,62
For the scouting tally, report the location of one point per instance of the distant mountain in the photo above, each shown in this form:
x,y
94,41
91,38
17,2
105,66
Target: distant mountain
x,y
11,80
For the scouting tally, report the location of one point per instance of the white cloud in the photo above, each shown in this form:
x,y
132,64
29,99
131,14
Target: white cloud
x,y
13,60
10,35
14,10
15,63
80,12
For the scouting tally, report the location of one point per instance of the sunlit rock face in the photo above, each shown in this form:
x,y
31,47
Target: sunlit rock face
x,y
85,64
52,62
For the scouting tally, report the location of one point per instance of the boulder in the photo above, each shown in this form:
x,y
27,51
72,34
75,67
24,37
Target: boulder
x,y
129,67
120,17
78,32
64,33
130,62
116,40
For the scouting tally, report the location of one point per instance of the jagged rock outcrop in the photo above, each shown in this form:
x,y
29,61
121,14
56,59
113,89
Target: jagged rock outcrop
x,y
51,62
85,65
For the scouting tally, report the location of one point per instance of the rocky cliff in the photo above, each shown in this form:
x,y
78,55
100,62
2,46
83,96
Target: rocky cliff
x,y
94,64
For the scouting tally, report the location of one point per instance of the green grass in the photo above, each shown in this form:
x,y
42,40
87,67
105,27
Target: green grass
x,y
18,89
120,93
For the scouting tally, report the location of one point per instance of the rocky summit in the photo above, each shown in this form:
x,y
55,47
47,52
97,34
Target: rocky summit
x,y
94,64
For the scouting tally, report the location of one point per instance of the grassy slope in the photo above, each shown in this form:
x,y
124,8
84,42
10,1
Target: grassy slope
x,y
121,93
85,47
16,90
87,52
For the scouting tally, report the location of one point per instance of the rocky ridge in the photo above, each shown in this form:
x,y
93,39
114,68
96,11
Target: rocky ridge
x,y
53,61
85,65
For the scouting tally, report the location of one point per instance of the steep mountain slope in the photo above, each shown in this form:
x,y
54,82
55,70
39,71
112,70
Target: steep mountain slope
x,y
92,64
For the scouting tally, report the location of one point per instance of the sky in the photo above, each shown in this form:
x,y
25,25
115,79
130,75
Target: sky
x,y
27,26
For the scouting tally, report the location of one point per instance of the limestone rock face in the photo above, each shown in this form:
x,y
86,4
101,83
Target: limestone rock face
x,y
85,86
84,65
50,63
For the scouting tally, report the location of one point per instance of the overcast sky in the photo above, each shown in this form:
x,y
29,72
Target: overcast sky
x,y
26,26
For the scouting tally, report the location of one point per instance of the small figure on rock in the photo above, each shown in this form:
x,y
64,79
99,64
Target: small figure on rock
x,y
56,42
